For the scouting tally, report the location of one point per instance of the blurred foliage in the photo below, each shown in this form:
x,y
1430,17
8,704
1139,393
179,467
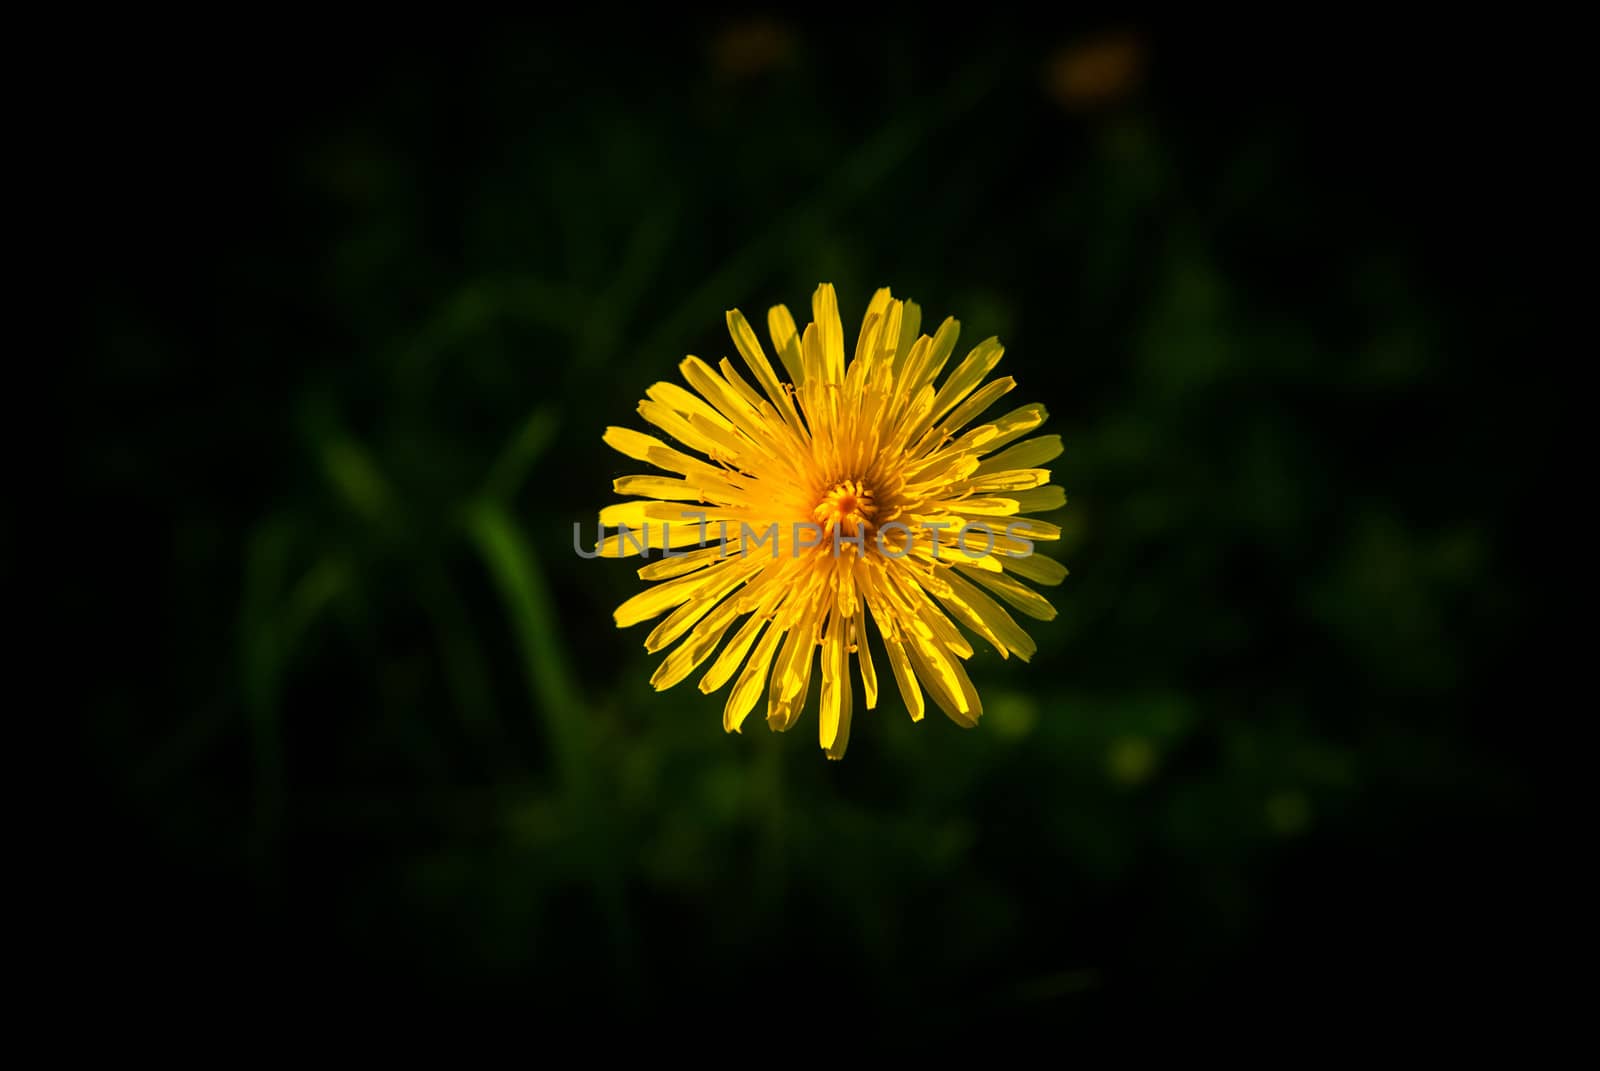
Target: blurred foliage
x,y
370,708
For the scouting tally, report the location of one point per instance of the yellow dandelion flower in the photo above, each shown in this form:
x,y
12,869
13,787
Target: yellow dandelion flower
x,y
855,490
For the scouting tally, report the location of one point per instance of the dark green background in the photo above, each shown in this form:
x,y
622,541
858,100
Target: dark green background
x,y
363,305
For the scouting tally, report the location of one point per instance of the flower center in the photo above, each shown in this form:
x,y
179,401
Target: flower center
x,y
849,506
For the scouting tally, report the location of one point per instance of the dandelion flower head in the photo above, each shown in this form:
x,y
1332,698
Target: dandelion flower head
x,y
861,488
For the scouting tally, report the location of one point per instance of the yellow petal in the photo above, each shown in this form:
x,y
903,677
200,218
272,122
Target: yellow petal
x,y
879,307
635,514
910,329
855,376
786,340
732,655
748,394
697,648
1019,595
817,400
1040,499
882,358
989,507
835,682
904,677
917,415
685,403
1025,455
677,623
677,565
677,425
1030,528
624,514
791,675
943,630
825,313
659,598
747,689
968,374
968,410
1037,568
921,370
869,672
634,444
1012,480
690,490
963,613
943,678
1014,425
649,536
995,620
749,347
738,412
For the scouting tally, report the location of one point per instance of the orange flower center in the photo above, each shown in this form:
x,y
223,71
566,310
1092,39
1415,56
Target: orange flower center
x,y
849,506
